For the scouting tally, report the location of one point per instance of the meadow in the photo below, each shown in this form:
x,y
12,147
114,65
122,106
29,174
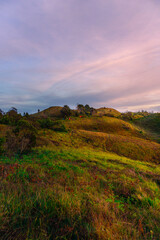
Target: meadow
x,y
85,178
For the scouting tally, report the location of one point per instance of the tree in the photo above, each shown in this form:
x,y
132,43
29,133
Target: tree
x,y
87,110
13,116
25,114
81,108
1,113
66,111
12,112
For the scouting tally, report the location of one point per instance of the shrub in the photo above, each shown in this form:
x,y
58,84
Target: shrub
x,y
46,123
24,124
2,140
54,125
5,120
59,127
13,116
20,139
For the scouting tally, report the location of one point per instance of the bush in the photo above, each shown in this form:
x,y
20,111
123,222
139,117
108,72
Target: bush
x,y
10,119
21,139
2,140
46,123
5,120
24,124
54,125
59,127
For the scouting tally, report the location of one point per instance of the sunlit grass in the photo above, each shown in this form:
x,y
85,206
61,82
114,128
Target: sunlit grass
x,y
86,183
74,194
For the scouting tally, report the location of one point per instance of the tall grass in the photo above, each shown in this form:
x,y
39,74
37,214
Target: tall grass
x,y
74,194
73,185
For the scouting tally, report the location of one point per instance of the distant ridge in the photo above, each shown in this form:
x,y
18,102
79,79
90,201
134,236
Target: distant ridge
x,y
49,112
55,111
111,112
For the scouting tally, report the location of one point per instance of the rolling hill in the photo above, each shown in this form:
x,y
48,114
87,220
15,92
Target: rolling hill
x,y
94,177
54,112
111,112
151,124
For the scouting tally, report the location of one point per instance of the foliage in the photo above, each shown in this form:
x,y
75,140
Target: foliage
x,y
85,110
1,113
26,114
130,116
5,120
59,127
46,123
12,112
10,118
20,139
54,125
66,111
2,140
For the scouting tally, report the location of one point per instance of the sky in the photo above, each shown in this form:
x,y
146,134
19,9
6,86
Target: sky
x,y
96,52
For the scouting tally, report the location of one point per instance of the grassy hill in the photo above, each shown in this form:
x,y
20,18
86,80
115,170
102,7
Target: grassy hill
x,y
105,125
152,124
95,178
111,112
56,112
49,112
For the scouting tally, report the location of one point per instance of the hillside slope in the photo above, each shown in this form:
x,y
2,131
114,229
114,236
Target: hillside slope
x,y
95,178
106,125
49,112
111,112
78,194
105,133
56,112
152,124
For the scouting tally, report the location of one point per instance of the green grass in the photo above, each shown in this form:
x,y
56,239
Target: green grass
x,y
100,180
132,147
105,125
128,146
151,123
74,194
